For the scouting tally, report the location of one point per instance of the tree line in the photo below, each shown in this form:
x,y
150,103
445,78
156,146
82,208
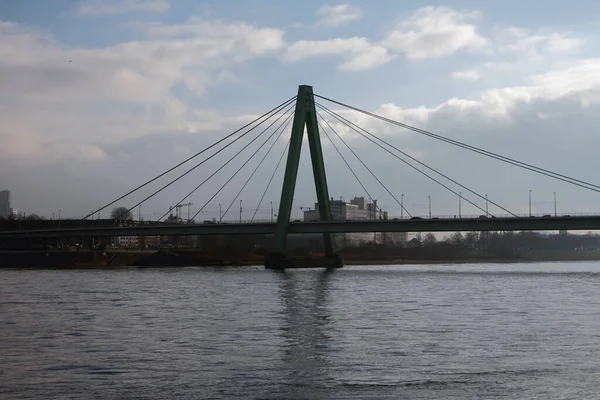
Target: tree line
x,y
521,241
117,213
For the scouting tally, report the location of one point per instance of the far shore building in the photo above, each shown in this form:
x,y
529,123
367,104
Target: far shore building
x,y
149,242
128,242
358,209
5,209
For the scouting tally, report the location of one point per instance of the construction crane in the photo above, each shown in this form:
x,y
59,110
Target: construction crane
x,y
178,211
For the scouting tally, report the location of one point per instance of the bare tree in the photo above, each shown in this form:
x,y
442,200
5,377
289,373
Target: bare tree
x,y
429,240
456,239
34,217
121,214
471,240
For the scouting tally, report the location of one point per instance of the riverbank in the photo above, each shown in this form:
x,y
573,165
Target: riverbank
x,y
525,257
121,258
183,258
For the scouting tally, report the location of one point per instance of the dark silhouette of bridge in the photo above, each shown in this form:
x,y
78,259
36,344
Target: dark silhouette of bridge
x,y
307,116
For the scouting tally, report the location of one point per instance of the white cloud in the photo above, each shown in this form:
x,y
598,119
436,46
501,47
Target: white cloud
x,y
218,35
312,48
536,44
368,58
35,65
337,15
433,32
468,75
430,32
517,49
58,99
546,121
106,7
577,83
359,54
579,79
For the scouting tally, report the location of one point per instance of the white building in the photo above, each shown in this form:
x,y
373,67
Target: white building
x,y
128,241
5,209
358,209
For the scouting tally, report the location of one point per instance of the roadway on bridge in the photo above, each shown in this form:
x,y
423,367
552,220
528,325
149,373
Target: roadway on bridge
x,y
407,225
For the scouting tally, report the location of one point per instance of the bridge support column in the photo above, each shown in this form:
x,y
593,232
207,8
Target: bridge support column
x,y
304,116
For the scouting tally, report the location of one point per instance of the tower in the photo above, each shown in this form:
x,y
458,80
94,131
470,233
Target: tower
x,y
304,116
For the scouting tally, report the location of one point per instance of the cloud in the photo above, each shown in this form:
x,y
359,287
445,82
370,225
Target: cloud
x,y
107,7
57,99
430,32
433,32
575,82
368,58
548,121
468,75
359,54
108,111
536,45
579,79
555,96
517,49
34,65
219,35
332,16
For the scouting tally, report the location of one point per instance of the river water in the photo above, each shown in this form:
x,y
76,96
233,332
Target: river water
x,y
475,331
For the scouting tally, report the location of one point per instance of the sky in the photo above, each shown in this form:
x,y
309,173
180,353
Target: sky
x,y
98,96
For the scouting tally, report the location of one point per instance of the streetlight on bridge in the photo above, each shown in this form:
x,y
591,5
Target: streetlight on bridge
x,y
429,206
554,204
220,214
529,203
402,206
240,211
271,212
459,204
487,214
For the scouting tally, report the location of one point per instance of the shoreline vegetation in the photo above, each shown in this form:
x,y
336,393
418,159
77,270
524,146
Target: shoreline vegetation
x,y
193,258
244,250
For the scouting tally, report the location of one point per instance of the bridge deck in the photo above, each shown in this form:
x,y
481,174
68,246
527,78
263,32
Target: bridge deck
x,y
412,225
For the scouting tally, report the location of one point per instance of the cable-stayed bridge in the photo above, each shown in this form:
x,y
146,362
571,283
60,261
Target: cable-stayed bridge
x,y
307,111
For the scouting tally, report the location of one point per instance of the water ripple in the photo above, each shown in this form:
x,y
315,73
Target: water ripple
x,y
418,332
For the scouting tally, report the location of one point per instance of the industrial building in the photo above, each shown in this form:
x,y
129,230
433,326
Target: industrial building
x,y
358,208
5,208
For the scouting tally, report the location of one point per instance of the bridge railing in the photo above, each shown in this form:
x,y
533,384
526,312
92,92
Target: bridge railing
x,y
439,216
17,225
520,215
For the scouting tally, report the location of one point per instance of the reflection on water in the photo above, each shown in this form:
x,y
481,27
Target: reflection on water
x,y
307,330
418,332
